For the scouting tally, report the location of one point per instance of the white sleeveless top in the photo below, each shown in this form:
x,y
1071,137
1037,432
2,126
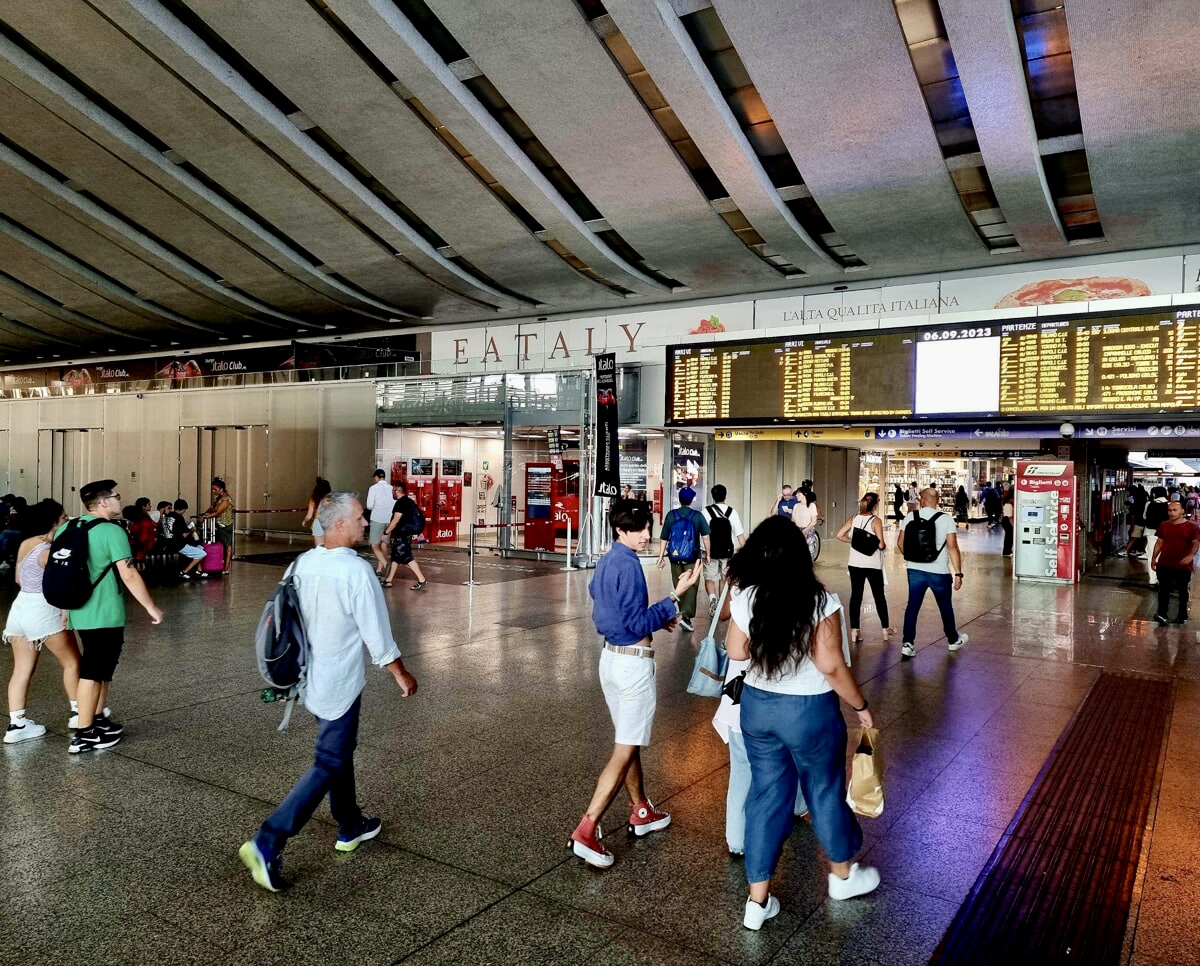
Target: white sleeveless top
x,y
856,559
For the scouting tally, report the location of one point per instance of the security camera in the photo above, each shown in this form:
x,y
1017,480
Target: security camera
x,y
1067,430
139,395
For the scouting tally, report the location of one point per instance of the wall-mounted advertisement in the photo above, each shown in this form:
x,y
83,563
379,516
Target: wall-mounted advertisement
x,y
687,468
633,469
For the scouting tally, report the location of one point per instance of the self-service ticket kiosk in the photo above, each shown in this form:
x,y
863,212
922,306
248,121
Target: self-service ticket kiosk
x,y
421,480
1044,546
448,505
539,515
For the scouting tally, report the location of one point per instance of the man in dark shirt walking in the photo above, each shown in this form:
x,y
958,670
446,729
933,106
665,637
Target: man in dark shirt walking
x,y
401,529
1178,541
623,614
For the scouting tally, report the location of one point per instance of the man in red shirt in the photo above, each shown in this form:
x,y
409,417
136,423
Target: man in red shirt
x,y
1178,541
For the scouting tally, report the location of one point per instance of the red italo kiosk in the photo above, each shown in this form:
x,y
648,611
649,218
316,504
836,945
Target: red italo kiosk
x,y
551,500
448,507
421,480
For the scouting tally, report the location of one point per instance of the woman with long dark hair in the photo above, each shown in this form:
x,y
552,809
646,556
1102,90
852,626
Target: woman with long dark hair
x,y
321,489
791,630
865,568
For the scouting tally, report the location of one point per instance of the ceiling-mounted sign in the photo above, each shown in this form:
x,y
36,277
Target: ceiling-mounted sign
x,y
965,432
1134,363
926,454
810,434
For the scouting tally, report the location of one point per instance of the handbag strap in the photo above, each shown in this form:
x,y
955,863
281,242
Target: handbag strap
x,y
712,628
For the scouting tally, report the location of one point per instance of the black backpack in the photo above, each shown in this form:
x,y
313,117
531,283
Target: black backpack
x,y
281,644
416,523
920,538
720,532
67,583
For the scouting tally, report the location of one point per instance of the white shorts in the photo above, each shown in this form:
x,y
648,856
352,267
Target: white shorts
x,y
377,528
32,618
631,691
716,570
317,529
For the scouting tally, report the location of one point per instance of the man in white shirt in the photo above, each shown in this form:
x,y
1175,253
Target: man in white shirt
x,y
379,511
940,540
725,535
343,610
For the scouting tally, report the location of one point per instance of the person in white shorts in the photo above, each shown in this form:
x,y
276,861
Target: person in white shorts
x,y
33,624
725,535
624,616
379,514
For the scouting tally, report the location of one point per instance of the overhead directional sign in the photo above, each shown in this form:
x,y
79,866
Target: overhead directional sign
x,y
1157,431
965,432
811,434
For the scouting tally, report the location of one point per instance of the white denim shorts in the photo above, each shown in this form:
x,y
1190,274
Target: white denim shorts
x,y
631,690
32,618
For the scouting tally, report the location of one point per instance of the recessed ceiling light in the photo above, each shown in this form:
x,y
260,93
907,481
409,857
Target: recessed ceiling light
x,y
174,343
223,338
247,337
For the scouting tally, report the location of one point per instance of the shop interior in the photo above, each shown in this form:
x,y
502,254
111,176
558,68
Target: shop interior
x,y
457,475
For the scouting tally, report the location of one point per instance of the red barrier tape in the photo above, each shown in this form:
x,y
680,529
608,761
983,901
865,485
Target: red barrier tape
x,y
299,509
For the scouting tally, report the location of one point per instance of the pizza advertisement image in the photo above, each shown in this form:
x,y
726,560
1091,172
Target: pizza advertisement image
x,y
1053,291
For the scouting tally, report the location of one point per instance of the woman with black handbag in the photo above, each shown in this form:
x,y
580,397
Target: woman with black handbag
x,y
864,533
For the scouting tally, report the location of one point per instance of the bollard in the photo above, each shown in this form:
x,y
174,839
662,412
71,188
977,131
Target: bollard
x,y
470,581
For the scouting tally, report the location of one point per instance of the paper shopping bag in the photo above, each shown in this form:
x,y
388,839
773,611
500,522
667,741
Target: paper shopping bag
x,y
865,794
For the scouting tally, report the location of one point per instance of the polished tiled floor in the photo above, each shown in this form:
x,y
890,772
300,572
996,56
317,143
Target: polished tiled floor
x,y
129,856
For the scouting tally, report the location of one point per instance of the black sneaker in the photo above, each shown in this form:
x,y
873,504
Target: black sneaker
x,y
420,585
92,739
1162,620
184,575
78,744
107,726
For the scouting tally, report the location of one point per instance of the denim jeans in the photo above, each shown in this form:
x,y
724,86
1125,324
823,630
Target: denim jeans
x,y
739,788
332,773
792,737
942,586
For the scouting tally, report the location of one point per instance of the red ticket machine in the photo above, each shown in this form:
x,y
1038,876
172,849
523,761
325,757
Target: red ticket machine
x,y
539,516
421,488
448,505
564,499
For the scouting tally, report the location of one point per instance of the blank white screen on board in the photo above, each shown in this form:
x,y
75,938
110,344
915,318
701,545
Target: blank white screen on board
x,y
958,376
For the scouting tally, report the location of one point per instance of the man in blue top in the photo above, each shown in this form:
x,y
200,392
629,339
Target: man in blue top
x,y
623,614
685,534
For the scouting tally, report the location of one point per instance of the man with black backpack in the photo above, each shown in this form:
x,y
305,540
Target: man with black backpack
x,y
929,543
724,528
342,610
406,522
684,541
86,559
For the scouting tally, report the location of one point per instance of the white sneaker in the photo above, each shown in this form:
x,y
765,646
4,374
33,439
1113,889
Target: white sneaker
x,y
22,730
712,605
756,915
686,624
907,651
860,881
962,639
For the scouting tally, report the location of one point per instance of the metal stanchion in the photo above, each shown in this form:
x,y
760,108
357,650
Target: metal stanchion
x,y
570,565
471,581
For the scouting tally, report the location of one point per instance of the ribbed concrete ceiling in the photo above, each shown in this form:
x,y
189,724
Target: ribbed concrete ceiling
x,y
201,171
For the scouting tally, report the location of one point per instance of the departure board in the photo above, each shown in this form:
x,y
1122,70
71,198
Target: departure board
x,y
1129,363
1136,363
793,380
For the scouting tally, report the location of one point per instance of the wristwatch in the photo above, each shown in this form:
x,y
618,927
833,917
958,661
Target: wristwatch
x,y
960,576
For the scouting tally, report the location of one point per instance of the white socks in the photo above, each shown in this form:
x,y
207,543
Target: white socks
x,y
14,717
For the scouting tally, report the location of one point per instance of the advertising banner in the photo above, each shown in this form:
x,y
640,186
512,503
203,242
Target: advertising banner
x,y
687,469
633,469
554,443
1045,520
608,465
